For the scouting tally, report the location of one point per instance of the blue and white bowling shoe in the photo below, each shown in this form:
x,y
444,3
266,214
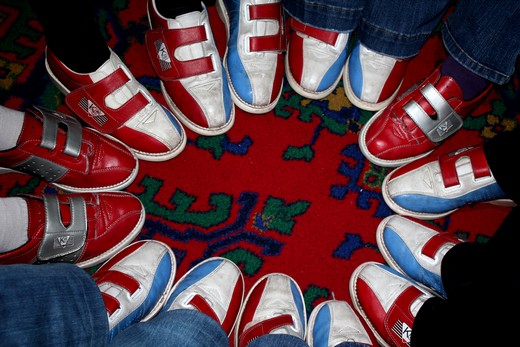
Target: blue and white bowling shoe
x,y
135,283
273,305
333,322
372,80
415,250
214,287
435,186
315,59
254,58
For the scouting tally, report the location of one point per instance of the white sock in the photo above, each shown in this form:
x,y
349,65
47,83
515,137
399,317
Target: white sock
x,y
14,223
11,122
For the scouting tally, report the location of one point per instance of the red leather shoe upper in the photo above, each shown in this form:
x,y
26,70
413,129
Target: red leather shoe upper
x,y
87,99
101,163
110,218
161,44
394,135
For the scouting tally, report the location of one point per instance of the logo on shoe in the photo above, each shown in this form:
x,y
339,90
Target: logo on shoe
x,y
93,111
162,55
444,128
402,330
459,151
63,242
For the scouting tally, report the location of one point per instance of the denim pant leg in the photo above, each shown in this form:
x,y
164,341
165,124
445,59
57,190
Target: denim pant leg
x,y
50,305
176,328
484,36
399,28
334,15
278,340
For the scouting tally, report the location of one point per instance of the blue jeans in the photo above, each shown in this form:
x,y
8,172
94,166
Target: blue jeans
x,y
59,305
484,36
50,305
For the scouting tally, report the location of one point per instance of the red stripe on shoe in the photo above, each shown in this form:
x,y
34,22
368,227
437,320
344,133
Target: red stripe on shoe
x,y
111,303
202,306
399,319
394,80
119,278
447,163
296,56
88,102
274,42
234,307
329,37
173,39
432,246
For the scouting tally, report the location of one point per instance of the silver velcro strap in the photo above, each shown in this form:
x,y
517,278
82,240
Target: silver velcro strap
x,y
60,243
51,121
46,169
438,128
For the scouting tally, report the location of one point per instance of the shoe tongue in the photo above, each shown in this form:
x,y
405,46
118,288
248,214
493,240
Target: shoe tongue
x,y
191,19
111,65
187,20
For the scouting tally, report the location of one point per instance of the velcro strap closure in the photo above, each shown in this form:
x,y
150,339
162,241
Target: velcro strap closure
x,y
111,303
329,37
432,246
164,42
202,306
274,42
447,164
89,104
51,123
62,243
264,327
119,278
400,319
440,126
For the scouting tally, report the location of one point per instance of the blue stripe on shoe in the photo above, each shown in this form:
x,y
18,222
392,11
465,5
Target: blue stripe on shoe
x,y
163,274
432,204
239,78
334,72
228,103
406,260
354,72
321,330
194,275
298,301
172,119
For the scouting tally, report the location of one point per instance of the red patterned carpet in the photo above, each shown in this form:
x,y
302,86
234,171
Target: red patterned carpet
x,y
288,191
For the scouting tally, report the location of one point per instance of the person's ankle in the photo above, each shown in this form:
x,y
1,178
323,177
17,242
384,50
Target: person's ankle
x,y
471,84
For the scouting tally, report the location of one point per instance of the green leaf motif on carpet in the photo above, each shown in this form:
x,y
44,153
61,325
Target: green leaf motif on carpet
x,y
181,201
277,215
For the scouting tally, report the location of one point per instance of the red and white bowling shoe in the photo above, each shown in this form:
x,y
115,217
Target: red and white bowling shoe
x,y
372,80
55,147
193,81
274,305
113,102
417,122
84,228
387,301
135,283
214,287
315,59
